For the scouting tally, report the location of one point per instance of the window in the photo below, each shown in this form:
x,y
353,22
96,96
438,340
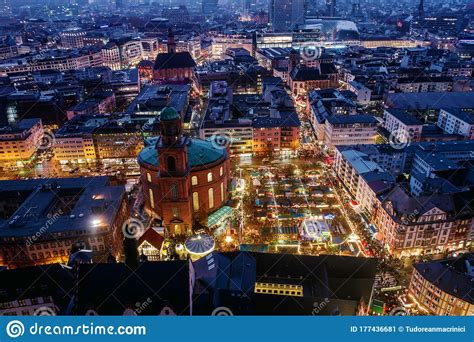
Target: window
x,y
196,201
211,198
148,177
221,171
194,180
209,177
174,191
171,162
152,199
222,192
175,212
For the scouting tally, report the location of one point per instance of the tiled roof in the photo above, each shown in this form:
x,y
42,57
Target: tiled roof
x,y
451,276
174,60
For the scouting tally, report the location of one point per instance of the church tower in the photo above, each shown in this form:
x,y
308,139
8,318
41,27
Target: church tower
x,y
171,42
293,62
174,186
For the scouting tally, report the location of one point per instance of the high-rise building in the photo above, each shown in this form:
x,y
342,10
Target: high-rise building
x,y
248,6
421,9
209,6
330,8
356,8
286,14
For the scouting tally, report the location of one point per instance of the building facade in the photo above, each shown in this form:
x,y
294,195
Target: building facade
x,y
457,121
19,143
183,179
51,216
443,287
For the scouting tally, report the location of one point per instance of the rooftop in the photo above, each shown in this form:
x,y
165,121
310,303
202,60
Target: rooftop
x,y
174,61
200,152
403,116
431,100
466,115
154,98
452,276
352,119
232,279
75,203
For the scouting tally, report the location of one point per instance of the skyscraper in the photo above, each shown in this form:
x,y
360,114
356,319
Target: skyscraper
x,y
248,6
209,6
421,9
330,8
286,14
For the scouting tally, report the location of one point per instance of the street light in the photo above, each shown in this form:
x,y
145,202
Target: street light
x,y
96,222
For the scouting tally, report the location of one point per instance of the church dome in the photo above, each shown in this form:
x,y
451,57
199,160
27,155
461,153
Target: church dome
x,y
169,114
200,153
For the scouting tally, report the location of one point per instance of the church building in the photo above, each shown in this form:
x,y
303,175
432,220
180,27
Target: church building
x,y
184,179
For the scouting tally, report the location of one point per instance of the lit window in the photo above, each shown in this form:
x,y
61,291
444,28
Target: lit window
x,y
175,212
152,199
209,177
211,198
222,192
194,180
148,177
221,171
196,201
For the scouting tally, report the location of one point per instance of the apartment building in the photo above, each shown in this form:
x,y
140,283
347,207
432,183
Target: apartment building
x,y
254,124
443,287
402,124
19,143
46,218
457,121
349,130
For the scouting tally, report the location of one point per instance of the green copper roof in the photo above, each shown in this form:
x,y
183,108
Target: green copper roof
x,y
169,114
200,152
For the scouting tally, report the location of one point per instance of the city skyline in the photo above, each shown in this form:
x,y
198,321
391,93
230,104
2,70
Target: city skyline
x,y
247,157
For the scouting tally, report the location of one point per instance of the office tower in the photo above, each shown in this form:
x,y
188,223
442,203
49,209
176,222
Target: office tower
x,y
330,8
421,9
355,8
248,6
286,14
209,6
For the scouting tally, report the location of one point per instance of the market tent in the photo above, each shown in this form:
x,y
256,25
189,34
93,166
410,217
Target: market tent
x,y
219,215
